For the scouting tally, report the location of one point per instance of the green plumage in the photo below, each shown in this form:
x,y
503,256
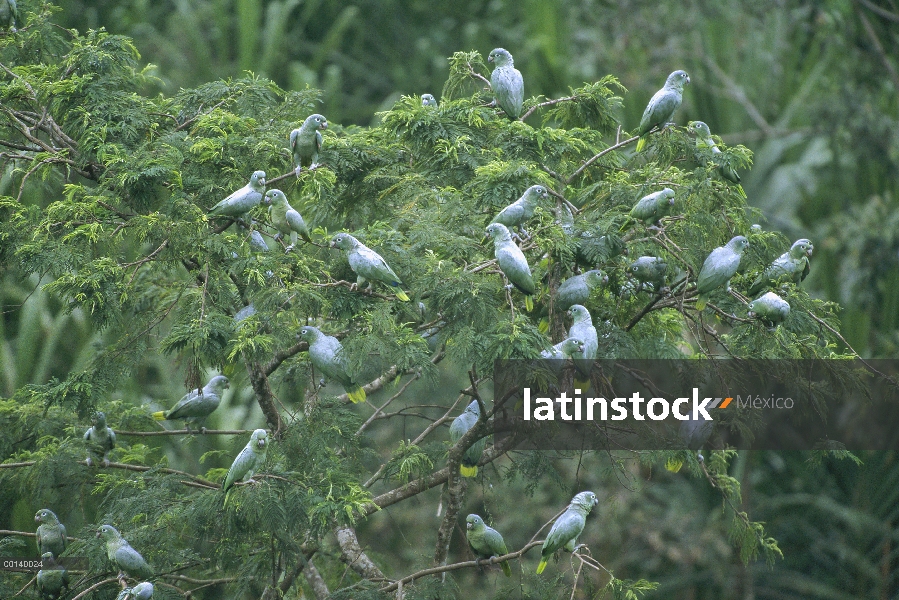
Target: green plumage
x,y
577,289
485,542
142,591
718,268
428,100
512,262
654,206
468,467
564,349
306,142
770,308
120,553
195,405
51,534
567,528
704,140
649,269
51,579
367,264
99,440
792,266
522,209
582,329
662,105
285,219
506,82
243,200
248,461
326,354
9,12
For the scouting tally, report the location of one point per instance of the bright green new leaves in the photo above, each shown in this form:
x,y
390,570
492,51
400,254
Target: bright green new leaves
x,y
770,308
512,262
285,219
654,206
522,209
367,264
196,405
306,142
51,534
507,83
468,467
662,105
99,440
120,553
51,579
792,266
243,200
704,140
719,267
326,354
485,542
567,528
250,459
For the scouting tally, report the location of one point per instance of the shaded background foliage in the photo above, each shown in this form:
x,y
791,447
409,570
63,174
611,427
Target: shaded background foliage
x,y
811,88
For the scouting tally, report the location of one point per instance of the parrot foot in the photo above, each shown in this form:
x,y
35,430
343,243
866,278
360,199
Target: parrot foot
x,y
578,547
288,248
508,287
699,457
203,430
89,462
106,462
321,383
297,171
314,166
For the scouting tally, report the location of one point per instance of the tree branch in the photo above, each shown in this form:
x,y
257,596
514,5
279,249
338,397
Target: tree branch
x,y
185,432
547,103
599,155
351,553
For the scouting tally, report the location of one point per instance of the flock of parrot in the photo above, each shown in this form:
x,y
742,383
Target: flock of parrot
x,y
326,352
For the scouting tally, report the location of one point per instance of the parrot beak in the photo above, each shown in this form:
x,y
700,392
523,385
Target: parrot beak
x,y
37,518
750,314
490,58
605,279
809,251
332,244
323,125
262,181
99,533
688,80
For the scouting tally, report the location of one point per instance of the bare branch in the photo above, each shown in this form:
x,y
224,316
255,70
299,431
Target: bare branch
x,y
599,155
353,556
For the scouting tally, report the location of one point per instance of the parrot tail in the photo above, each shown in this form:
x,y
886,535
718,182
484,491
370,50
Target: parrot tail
x,y
640,144
402,296
528,303
700,304
541,566
741,191
506,568
468,471
674,464
582,384
159,416
543,326
357,395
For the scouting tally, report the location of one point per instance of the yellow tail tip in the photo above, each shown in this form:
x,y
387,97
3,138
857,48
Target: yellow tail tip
x,y
357,395
543,326
741,191
529,303
700,305
640,144
674,464
582,384
402,296
159,416
541,566
468,471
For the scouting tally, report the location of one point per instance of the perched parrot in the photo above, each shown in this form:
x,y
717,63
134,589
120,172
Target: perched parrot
x,y
257,242
460,426
195,405
245,313
577,289
507,83
99,440
51,534
704,140
693,434
564,349
582,329
793,265
567,528
718,268
428,100
251,458
653,207
649,269
522,209
367,264
662,106
9,12
285,218
326,354
123,555
512,262
485,542
52,578
142,591
769,307
306,142
243,200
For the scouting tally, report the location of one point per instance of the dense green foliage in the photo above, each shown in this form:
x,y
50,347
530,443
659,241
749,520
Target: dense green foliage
x,y
117,284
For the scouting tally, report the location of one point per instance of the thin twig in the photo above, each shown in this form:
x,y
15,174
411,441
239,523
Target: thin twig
x,y
596,157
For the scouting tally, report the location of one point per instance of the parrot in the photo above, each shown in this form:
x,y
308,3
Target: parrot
x,y
468,467
247,462
485,542
99,439
649,269
577,289
522,209
662,105
367,264
306,142
792,265
512,262
195,405
704,140
769,307
51,534
428,100
567,528
507,83
257,242
719,267
653,207
285,218
582,329
122,554
694,434
142,591
564,349
326,354
8,14
243,200
245,313
52,578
